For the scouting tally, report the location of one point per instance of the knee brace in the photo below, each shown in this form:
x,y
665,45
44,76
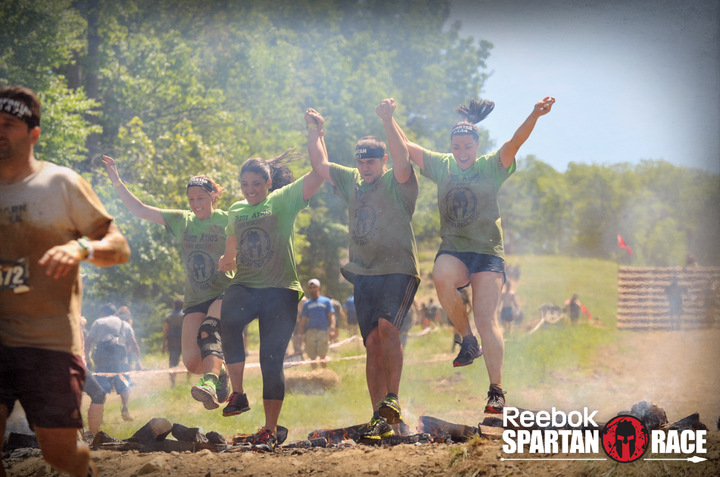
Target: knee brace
x,y
212,344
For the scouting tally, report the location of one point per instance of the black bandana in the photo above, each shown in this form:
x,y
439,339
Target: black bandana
x,y
201,182
19,110
462,129
369,152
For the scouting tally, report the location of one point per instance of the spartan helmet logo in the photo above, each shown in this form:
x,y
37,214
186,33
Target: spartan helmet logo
x,y
460,204
254,244
200,266
625,434
364,221
625,438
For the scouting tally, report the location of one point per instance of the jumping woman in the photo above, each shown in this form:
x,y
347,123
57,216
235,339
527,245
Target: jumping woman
x,y
471,252
260,236
201,232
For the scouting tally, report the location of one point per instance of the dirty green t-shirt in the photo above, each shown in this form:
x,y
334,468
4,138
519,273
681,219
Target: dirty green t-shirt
x,y
202,243
265,235
467,200
381,235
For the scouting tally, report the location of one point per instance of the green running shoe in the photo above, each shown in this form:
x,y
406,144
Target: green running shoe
x,y
390,410
376,430
222,387
205,393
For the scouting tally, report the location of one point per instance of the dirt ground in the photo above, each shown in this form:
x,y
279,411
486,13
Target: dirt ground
x,y
679,371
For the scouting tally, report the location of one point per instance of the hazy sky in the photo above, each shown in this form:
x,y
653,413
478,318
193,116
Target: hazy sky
x,y
632,81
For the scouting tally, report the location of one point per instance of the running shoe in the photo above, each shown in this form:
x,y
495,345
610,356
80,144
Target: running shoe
x,y
263,440
205,393
237,404
376,430
496,401
469,351
125,413
222,388
390,410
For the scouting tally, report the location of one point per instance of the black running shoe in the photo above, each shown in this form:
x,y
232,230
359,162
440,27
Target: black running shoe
x,y
390,410
204,391
469,351
496,401
282,433
222,387
264,440
376,430
237,404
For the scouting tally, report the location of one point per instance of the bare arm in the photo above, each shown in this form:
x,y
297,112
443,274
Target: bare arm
x,y
227,261
316,145
109,248
311,183
88,345
134,205
402,170
331,320
511,147
414,151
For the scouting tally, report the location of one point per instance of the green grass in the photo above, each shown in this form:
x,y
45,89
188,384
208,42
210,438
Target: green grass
x,y
436,388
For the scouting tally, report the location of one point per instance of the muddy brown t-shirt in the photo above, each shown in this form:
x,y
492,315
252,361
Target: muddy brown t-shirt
x,y
48,208
382,241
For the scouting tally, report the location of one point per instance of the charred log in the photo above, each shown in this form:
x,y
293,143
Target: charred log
x,y
156,429
19,441
434,427
188,434
689,423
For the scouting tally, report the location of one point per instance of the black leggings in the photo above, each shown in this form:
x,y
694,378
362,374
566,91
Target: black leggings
x,y
276,311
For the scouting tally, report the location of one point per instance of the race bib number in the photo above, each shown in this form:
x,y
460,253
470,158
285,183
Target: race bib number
x,y
15,275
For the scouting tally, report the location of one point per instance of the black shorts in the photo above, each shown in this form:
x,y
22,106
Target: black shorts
x,y
202,307
507,313
383,296
94,390
48,385
174,355
477,262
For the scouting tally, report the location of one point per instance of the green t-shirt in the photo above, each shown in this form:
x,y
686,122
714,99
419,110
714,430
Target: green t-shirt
x,y
265,234
381,235
467,199
202,243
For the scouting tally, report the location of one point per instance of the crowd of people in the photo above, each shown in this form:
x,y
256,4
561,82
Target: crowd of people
x,y
240,266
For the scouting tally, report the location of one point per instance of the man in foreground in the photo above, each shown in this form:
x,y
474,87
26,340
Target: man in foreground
x,y
50,221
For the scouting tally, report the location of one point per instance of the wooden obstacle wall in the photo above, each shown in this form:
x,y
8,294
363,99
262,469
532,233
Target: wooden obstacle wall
x,y
643,305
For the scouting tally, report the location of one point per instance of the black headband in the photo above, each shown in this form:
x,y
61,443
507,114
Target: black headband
x,y
462,129
19,110
369,152
201,182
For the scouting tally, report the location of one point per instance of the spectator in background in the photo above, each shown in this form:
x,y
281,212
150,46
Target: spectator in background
x,y
508,307
351,314
317,321
113,338
340,319
573,307
172,336
674,293
431,314
124,314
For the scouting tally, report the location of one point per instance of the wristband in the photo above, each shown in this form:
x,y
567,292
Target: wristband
x,y
321,134
312,126
117,182
87,249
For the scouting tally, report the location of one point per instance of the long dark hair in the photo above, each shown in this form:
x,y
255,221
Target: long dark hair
x,y
472,114
275,169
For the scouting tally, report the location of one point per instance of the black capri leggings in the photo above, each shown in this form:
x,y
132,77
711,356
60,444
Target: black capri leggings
x,y
276,311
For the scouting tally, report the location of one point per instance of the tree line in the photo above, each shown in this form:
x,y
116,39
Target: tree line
x,y
172,89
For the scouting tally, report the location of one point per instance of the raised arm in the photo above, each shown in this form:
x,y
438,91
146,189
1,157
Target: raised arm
x,y
415,152
134,205
316,146
402,170
511,147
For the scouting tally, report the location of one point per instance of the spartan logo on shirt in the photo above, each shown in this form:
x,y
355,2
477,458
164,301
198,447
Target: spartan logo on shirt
x,y
460,204
364,228
255,247
200,266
